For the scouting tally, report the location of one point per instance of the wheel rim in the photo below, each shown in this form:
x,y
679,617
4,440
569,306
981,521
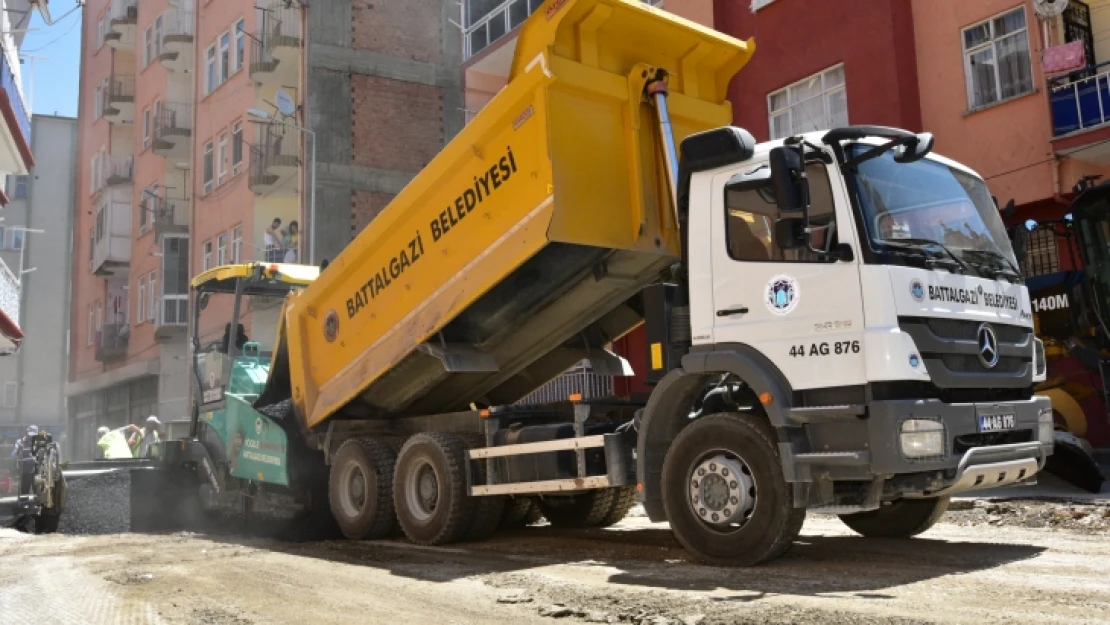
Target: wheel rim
x,y
352,496
422,490
721,491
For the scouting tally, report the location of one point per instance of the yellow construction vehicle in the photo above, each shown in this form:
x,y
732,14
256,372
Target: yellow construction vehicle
x,y
800,357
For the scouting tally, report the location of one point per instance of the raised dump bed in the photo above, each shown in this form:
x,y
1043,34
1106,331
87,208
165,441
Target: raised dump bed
x,y
519,249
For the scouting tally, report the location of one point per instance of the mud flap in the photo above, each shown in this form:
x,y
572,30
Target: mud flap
x,y
1072,462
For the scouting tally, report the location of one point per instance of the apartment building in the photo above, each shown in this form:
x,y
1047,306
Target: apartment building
x,y
200,124
15,160
35,241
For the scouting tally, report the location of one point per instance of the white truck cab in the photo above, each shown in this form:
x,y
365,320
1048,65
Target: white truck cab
x,y
868,306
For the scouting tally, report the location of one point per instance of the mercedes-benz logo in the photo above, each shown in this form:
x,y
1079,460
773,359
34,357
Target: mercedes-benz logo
x,y
988,346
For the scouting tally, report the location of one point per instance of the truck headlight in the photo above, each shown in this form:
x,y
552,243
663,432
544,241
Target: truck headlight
x,y
1046,428
922,438
1040,365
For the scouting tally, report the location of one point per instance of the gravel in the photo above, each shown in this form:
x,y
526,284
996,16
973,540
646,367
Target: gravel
x,y
97,504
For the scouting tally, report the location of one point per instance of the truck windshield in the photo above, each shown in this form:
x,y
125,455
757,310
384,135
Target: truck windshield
x,y
927,205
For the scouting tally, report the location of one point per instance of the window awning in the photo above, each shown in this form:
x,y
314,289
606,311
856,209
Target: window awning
x,y
10,334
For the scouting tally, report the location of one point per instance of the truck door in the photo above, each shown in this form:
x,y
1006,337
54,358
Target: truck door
x,y
802,312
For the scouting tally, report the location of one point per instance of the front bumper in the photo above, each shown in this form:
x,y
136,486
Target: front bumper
x,y
967,459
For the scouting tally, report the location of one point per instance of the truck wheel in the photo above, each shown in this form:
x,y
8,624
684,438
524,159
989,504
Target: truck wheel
x,y
430,490
578,511
623,500
724,492
520,512
901,519
488,509
360,489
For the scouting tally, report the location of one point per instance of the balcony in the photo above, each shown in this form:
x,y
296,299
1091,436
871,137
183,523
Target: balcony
x,y
119,100
111,238
112,340
276,51
177,40
114,171
275,160
122,24
485,24
173,131
168,216
15,140
172,318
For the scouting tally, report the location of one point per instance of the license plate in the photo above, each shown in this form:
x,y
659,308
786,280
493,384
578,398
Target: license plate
x,y
996,422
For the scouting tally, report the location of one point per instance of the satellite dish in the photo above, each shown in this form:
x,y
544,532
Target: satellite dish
x,y
284,103
1049,8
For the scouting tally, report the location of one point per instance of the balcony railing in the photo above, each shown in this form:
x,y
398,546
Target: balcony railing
x,y
1080,101
275,159
173,130
9,292
119,100
484,29
167,215
111,238
111,345
15,97
579,379
173,316
275,48
178,35
114,171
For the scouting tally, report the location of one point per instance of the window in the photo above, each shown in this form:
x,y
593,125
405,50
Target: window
x,y
207,255
175,280
99,314
210,70
750,222
236,148
19,191
151,295
3,236
1042,253
94,173
225,57
10,390
146,129
158,36
207,168
240,44
98,105
148,46
101,30
90,329
814,103
237,244
17,239
140,301
996,59
221,250
221,160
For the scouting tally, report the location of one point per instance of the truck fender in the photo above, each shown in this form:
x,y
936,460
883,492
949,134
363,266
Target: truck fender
x,y
672,400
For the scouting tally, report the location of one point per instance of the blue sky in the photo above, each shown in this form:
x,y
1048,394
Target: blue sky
x,y
57,76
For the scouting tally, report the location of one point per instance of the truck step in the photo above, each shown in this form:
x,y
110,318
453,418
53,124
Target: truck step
x,y
841,509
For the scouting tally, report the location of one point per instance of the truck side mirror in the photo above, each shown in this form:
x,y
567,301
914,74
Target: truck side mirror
x,y
790,233
791,189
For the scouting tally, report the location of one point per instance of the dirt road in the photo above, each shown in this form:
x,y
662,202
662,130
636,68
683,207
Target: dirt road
x,y
634,573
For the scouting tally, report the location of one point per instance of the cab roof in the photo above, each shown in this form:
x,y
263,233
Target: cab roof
x,y
261,278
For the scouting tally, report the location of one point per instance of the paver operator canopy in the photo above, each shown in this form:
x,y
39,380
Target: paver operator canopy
x,y
515,252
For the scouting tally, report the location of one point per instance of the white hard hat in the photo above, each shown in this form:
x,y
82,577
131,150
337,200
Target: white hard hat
x,y
32,429
153,419
102,430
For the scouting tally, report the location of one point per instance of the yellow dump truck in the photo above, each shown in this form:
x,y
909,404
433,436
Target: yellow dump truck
x,y
603,188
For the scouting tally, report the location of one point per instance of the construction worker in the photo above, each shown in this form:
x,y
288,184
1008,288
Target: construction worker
x,y
101,432
142,438
24,460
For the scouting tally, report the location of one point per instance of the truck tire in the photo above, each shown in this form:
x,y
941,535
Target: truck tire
x,y
623,500
360,489
520,512
578,511
430,490
901,519
488,509
744,515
